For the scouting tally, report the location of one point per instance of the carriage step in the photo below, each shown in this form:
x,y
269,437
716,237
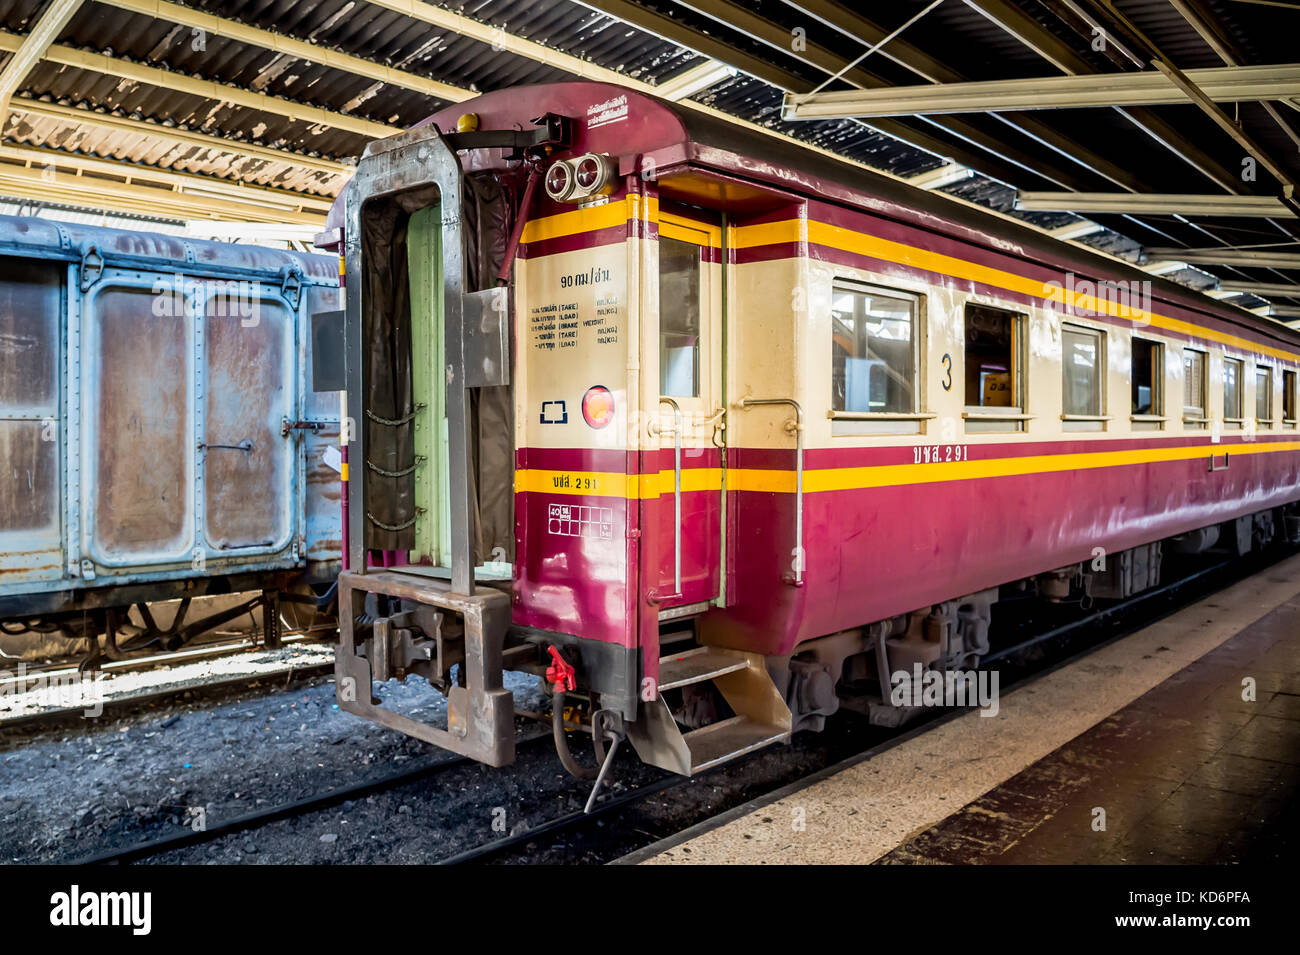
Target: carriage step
x,y
741,678
728,739
696,666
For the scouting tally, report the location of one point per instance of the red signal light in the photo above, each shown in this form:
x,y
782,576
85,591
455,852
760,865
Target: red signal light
x,y
589,173
559,181
598,406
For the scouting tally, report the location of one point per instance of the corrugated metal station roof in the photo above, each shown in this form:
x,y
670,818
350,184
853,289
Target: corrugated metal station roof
x,y
236,105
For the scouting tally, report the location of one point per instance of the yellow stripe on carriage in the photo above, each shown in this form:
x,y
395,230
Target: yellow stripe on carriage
x,y
613,214
615,484
890,475
817,480
588,219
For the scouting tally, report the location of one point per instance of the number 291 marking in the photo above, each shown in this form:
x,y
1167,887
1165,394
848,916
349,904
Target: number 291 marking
x,y
940,453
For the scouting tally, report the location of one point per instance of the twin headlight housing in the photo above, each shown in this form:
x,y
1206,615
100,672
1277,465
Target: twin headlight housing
x,y
573,180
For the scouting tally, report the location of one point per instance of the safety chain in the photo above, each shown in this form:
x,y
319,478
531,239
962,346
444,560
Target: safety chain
x,y
394,527
395,422
419,459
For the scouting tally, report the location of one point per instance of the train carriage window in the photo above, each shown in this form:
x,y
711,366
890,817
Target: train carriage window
x,y
1264,397
680,271
1147,378
994,382
873,351
1082,370
1288,398
1194,405
1233,384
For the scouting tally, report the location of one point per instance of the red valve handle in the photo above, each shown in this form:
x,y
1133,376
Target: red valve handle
x,y
560,674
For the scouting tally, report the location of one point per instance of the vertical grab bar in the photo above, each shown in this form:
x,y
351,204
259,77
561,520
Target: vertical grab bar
x,y
798,475
677,494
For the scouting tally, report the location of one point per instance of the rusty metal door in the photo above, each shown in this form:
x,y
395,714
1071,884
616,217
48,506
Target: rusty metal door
x,y
31,496
137,450
188,411
248,411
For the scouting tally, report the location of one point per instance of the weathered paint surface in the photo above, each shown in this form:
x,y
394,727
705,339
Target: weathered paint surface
x,y
246,459
140,418
30,501
124,358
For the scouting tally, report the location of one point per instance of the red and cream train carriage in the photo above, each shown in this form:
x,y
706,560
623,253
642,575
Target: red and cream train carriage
x,y
806,415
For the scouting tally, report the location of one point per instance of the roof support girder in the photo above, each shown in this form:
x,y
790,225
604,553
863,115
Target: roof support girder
x,y
33,47
1247,258
207,89
1221,84
1185,204
1261,288
66,188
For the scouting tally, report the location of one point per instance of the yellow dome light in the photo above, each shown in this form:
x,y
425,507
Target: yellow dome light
x,y
468,123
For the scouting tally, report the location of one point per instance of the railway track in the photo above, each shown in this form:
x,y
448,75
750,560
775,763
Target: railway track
x,y
1098,628
253,820
58,674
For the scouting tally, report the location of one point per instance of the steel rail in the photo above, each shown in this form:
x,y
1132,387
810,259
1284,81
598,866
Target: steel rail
x,y
569,820
255,820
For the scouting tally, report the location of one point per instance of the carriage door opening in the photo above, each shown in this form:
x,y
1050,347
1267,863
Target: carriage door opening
x,y
405,416
691,408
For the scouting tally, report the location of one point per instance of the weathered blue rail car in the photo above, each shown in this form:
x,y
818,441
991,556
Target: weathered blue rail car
x,y
159,437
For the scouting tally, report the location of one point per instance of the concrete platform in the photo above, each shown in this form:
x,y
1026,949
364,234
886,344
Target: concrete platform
x,y
1152,736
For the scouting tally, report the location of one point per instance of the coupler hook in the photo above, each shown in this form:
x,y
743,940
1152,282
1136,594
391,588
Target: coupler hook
x,y
605,724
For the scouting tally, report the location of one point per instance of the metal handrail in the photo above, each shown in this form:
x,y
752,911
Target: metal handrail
x,y
677,493
798,475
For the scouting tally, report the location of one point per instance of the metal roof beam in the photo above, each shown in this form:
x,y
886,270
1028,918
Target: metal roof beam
x,y
1260,288
1067,58
115,195
33,47
694,79
500,39
1077,230
36,110
1247,258
1163,267
1153,204
944,175
665,27
1203,20
1221,84
677,32
854,25
50,160
207,89
291,46
776,37
1196,93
